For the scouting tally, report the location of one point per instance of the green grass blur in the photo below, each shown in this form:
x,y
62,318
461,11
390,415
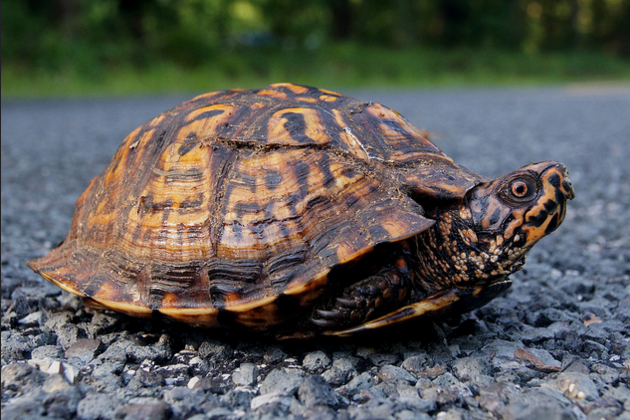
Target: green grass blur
x,y
113,47
339,66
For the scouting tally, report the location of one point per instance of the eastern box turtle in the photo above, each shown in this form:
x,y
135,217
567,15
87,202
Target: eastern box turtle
x,y
297,210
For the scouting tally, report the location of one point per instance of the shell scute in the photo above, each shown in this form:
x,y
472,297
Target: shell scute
x,y
295,126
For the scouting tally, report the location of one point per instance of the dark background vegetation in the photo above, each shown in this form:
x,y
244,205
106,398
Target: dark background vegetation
x,y
77,43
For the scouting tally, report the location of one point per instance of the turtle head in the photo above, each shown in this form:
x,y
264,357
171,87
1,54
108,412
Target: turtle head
x,y
484,239
510,214
522,206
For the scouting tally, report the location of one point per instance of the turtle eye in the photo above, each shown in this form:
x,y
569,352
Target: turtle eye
x,y
521,189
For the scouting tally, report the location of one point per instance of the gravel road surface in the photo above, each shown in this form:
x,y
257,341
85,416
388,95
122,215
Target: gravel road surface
x,y
555,346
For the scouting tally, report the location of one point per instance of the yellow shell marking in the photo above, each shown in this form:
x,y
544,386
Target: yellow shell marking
x,y
314,127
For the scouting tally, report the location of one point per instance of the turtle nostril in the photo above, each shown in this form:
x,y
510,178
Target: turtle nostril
x,y
568,187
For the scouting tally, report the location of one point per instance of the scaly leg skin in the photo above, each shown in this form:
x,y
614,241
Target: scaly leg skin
x,y
367,299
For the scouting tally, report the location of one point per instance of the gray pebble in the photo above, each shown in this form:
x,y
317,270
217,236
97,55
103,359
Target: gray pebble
x,y
99,368
362,381
23,410
34,319
246,374
67,335
415,364
21,303
316,361
84,350
389,373
536,404
134,352
620,393
446,380
381,411
316,391
409,396
607,373
501,349
143,409
55,382
108,381
149,377
346,364
20,377
62,403
277,402
174,375
545,357
377,358
319,412
440,395
201,416
238,398
47,352
36,292
574,364
471,368
341,372
335,376
603,408
213,385
595,350
215,350
45,338
412,415
494,397
377,392
114,353
217,413
102,322
453,414
274,354
184,402
97,407
15,346
577,386
282,380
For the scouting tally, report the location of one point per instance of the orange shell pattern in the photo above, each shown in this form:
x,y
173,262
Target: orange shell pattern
x,y
237,200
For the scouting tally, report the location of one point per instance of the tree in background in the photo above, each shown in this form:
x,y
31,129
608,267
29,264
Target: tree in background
x,y
51,33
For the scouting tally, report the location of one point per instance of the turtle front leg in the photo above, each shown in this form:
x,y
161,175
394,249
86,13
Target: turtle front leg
x,y
367,299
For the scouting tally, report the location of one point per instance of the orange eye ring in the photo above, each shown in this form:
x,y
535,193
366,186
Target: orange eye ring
x,y
520,189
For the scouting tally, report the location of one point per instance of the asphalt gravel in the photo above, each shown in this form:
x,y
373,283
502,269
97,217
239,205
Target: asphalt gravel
x,y
555,346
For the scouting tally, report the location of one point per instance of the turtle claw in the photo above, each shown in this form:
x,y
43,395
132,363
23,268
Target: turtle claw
x,y
334,315
328,319
346,303
323,323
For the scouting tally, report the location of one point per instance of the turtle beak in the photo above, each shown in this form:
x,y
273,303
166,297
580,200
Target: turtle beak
x,y
549,210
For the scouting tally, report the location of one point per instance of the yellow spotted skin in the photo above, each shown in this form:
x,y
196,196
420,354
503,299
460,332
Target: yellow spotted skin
x,y
483,242
238,207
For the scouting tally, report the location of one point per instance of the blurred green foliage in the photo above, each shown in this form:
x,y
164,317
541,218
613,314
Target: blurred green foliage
x,y
94,38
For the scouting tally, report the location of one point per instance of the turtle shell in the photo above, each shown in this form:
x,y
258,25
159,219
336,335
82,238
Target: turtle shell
x,y
233,207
